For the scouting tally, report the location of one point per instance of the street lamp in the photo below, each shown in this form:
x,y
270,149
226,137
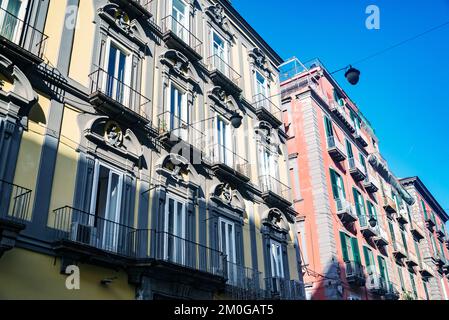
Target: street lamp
x,y
372,222
236,120
352,75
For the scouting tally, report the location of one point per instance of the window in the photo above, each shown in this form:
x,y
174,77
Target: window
x,y
179,113
363,162
359,204
338,188
401,278
349,149
180,23
418,253
12,12
117,75
424,210
392,234
383,269
106,204
371,210
277,264
426,290
328,127
369,260
404,240
261,85
355,119
174,229
224,142
412,281
350,248
219,53
227,246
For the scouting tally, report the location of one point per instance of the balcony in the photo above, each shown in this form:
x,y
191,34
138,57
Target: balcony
x,y
399,251
425,269
389,205
441,234
14,205
367,230
274,192
339,111
283,289
243,283
371,184
180,38
223,75
392,293
118,100
361,138
336,149
141,7
438,259
83,237
416,230
401,216
357,170
411,260
21,39
381,239
228,165
266,110
355,273
430,223
172,131
376,284
345,211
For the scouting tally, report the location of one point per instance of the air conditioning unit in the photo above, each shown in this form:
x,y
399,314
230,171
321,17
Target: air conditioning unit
x,y
84,234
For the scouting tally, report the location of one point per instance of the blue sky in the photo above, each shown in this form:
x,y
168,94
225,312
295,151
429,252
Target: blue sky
x,y
404,93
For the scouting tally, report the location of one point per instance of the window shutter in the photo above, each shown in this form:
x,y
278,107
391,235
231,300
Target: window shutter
x,y
328,127
349,149
366,255
355,250
357,202
344,247
424,210
334,184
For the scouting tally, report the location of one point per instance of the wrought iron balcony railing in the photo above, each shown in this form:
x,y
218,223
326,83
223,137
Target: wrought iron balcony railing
x,y
222,155
223,75
176,30
264,106
270,184
355,273
391,293
357,170
117,94
345,210
14,201
371,184
336,149
175,129
366,228
22,34
340,112
243,283
375,283
284,289
389,205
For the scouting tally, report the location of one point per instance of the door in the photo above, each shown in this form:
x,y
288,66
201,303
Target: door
x,y
219,54
180,21
175,231
117,75
227,247
179,115
224,142
106,205
277,265
12,14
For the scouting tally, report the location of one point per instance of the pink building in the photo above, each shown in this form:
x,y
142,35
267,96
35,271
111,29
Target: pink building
x,y
355,227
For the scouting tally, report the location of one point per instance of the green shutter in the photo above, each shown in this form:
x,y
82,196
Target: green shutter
x,y
344,247
355,250
424,210
418,253
401,278
367,256
424,283
328,127
349,149
363,162
356,200
390,226
383,268
334,184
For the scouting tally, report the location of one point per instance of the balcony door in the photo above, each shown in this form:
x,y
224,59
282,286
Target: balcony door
x,y
277,263
175,231
12,15
117,73
106,205
268,170
179,113
219,53
180,22
261,86
227,247
224,142
338,190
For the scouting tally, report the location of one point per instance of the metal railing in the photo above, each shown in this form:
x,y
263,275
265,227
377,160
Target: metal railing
x,y
365,224
332,142
389,204
170,24
168,123
284,289
354,270
118,91
217,63
375,283
261,102
355,164
146,4
142,245
14,201
17,31
243,283
371,180
220,154
391,292
268,183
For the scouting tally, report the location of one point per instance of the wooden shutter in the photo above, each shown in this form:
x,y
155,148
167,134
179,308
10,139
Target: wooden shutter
x,y
334,184
355,250
344,247
424,210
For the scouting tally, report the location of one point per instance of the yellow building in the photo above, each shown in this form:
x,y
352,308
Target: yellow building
x,y
141,151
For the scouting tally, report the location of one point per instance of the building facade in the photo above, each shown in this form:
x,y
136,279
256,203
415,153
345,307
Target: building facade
x,y
142,143
359,238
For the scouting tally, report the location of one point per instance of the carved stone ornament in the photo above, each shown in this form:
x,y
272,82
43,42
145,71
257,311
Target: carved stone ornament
x,y
216,13
259,60
176,60
113,134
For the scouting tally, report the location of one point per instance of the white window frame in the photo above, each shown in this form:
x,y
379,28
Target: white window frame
x,y
222,65
265,84
231,243
185,29
277,269
178,237
21,16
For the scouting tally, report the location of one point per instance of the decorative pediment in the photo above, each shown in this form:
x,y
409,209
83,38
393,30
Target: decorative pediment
x,y
22,88
223,103
119,18
176,61
177,167
216,13
274,218
267,135
259,60
225,195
